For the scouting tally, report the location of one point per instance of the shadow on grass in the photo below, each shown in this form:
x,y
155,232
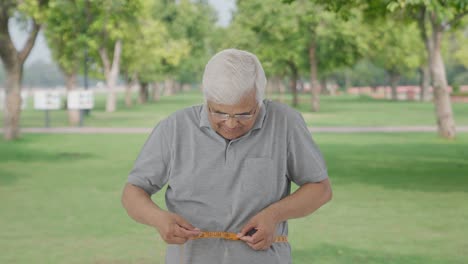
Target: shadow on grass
x,y
7,177
20,151
332,254
24,154
429,167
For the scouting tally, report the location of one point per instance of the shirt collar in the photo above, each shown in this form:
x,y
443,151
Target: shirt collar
x,y
205,122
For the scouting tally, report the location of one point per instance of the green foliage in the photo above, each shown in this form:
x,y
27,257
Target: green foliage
x,y
365,73
396,47
341,43
66,33
272,32
148,46
73,26
459,43
192,23
443,11
110,21
281,33
34,9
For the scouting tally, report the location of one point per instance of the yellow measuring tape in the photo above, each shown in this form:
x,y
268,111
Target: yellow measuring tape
x,y
233,236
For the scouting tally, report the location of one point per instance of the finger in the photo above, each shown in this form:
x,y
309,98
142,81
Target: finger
x,y
260,245
184,223
182,232
257,237
247,239
250,225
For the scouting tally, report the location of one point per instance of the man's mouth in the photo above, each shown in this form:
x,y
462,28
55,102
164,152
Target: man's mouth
x,y
229,130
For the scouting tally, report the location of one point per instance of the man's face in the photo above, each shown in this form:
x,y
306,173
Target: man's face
x,y
241,118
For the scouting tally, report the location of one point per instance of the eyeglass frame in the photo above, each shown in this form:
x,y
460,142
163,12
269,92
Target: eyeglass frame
x,y
238,117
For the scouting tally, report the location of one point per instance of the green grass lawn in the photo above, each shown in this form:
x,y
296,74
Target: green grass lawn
x,y
342,110
398,198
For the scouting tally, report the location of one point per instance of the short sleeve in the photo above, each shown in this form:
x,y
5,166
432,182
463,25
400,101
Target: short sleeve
x,y
151,168
305,162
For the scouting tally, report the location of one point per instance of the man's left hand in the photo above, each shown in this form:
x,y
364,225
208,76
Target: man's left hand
x,y
265,227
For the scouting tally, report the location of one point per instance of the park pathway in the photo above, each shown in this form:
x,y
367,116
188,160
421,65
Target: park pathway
x,y
144,130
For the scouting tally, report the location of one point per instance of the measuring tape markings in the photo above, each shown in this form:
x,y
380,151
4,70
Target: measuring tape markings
x,y
232,236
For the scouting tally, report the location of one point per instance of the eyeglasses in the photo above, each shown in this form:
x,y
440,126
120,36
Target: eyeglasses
x,y
239,117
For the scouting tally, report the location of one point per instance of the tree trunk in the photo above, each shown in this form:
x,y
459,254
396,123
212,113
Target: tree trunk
x,y
293,82
177,87
111,72
282,90
169,86
443,105
314,83
394,80
268,88
73,114
129,89
144,93
426,71
13,61
347,79
12,110
128,95
156,92
424,82
323,86
186,87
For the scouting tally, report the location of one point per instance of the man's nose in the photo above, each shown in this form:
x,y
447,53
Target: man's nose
x,y
231,122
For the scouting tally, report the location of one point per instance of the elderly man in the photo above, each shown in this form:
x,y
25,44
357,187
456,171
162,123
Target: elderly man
x,y
228,165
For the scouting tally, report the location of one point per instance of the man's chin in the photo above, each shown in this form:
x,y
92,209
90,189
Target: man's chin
x,y
230,135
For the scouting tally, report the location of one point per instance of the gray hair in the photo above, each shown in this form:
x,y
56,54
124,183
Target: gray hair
x,y
232,74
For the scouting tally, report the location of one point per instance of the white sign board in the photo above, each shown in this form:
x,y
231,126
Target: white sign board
x,y
47,100
24,99
83,99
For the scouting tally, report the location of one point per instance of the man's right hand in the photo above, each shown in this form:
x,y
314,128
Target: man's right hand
x,y
174,229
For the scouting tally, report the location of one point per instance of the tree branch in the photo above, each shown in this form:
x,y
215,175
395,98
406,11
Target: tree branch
x,y
457,18
422,24
8,51
105,61
23,54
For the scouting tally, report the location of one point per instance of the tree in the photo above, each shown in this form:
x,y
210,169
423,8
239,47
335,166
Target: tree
x,y
436,17
271,31
192,22
302,37
149,49
33,13
65,32
195,23
110,21
396,48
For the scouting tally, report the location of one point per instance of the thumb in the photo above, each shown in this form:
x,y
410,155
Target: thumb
x,y
251,224
184,223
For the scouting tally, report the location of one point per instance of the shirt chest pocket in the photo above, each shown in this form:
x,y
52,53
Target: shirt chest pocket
x,y
259,178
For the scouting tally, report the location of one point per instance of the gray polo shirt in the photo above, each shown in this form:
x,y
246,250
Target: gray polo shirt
x,y
218,185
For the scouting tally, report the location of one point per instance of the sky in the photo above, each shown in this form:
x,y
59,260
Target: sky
x,y
42,52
